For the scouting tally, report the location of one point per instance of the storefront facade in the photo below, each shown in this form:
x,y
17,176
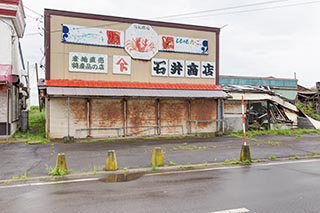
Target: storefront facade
x,y
117,77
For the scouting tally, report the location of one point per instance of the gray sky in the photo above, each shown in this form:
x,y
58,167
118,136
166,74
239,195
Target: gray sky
x,y
276,39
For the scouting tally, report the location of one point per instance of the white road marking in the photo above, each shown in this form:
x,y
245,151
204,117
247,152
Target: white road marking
x,y
240,210
49,183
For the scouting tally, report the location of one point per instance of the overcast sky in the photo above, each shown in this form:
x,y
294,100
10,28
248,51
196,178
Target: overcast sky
x,y
278,38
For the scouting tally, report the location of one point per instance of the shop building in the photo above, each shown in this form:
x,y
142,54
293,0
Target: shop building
x,y
117,77
13,89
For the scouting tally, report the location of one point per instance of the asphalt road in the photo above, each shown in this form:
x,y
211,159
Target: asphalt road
x,y
16,159
292,187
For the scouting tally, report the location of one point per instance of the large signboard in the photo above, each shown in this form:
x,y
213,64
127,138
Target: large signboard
x,y
141,42
92,36
86,62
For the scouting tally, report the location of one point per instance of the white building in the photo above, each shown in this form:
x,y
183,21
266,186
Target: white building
x,y
13,92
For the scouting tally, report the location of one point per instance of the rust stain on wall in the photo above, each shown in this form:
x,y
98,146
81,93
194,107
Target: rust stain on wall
x,y
173,113
232,107
140,113
205,112
78,110
106,113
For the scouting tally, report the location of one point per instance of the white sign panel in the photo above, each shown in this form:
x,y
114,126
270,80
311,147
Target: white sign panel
x,y
183,44
87,62
208,69
92,36
141,41
176,68
159,67
121,64
193,69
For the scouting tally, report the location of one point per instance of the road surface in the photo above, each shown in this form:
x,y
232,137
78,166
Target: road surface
x,y
292,186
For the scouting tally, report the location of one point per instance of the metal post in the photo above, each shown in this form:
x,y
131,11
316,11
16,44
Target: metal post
x,y
219,129
189,116
158,118
243,122
8,111
124,117
68,117
88,118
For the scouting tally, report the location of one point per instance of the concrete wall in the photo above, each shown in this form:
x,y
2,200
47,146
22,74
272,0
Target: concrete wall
x,y
108,117
5,37
232,116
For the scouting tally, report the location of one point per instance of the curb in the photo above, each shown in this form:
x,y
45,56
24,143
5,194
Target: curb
x,y
145,171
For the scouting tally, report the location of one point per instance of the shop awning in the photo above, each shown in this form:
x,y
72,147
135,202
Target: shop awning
x,y
124,92
6,73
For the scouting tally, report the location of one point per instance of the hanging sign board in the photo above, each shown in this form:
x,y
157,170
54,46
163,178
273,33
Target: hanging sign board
x,y
183,44
92,36
141,41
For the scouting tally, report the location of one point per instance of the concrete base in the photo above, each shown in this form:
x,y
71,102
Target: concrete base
x,y
245,155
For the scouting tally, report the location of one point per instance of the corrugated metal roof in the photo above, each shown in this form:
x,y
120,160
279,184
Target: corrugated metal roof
x,y
110,92
263,97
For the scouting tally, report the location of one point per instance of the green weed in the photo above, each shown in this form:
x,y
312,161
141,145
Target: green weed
x,y
36,131
273,157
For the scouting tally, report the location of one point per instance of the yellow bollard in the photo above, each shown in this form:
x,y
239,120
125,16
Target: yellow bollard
x,y
157,157
61,165
111,162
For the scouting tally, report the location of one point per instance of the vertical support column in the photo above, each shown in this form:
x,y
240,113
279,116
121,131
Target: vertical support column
x,y
269,116
88,118
189,117
125,124
47,107
68,117
219,117
158,118
8,111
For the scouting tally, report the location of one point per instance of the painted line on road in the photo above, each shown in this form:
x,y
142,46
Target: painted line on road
x,y
240,210
49,183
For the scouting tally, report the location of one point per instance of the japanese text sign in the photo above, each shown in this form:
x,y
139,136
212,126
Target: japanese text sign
x,y
86,62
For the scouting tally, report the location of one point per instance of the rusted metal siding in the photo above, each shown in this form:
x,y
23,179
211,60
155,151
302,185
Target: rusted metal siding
x,y
173,116
106,117
203,115
141,117
61,111
78,115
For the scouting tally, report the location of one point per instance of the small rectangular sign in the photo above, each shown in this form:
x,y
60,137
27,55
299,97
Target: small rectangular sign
x,y
183,44
87,62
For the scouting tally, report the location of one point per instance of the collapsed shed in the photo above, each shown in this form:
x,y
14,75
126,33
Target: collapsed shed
x,y
264,109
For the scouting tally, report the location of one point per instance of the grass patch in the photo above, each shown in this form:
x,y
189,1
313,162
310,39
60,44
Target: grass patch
x,y
308,109
36,130
287,132
273,157
186,146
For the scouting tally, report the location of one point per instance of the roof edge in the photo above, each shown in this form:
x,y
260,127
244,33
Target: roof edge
x,y
128,85
50,12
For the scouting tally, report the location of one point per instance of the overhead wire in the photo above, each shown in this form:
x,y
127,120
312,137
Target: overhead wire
x,y
221,9
253,10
